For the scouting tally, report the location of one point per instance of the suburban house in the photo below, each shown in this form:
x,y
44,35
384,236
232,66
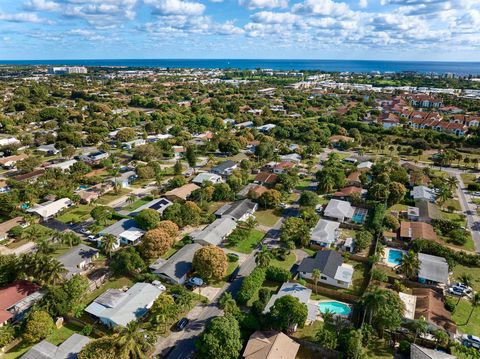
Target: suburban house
x,y
427,211
413,213
124,179
347,192
292,157
16,299
298,291
325,233
207,177
430,304
6,226
176,268
132,144
282,167
94,192
77,260
48,149
181,193
270,345
252,190
49,209
64,165
10,161
125,230
414,230
159,205
239,210
215,232
95,158
353,179
333,270
224,168
418,352
69,349
341,211
266,178
364,166
117,308
432,270
423,193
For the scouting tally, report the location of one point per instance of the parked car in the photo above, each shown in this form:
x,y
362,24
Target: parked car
x,y
471,341
455,291
460,289
159,285
181,324
194,283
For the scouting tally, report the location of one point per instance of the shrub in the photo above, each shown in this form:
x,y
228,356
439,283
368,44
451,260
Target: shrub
x,y
39,325
399,286
277,274
404,347
250,285
450,304
87,330
232,258
452,257
379,275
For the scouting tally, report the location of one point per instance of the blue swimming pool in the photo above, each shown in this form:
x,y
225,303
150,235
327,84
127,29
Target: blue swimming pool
x,y
395,256
335,307
358,218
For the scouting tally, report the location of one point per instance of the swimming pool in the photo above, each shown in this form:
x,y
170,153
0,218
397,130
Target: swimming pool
x,y
359,215
395,256
335,307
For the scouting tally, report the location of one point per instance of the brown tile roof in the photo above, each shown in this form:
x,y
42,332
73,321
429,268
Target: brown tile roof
x,y
14,158
270,345
414,230
431,306
266,177
354,176
259,190
6,226
182,192
33,174
348,191
12,294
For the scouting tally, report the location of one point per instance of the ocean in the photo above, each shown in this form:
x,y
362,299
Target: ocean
x,y
358,66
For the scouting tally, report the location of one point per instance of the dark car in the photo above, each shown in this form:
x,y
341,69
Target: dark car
x,y
234,275
181,324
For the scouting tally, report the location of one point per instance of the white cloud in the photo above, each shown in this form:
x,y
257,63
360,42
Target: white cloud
x,y
321,7
176,7
263,4
363,3
23,17
41,5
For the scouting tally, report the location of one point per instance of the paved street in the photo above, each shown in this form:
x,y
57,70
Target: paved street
x,y
470,210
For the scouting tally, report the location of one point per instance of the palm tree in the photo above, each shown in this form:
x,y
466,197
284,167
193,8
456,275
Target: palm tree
x,y
452,183
31,233
109,243
132,342
263,257
466,161
443,195
466,278
421,327
316,277
131,198
475,301
410,264
441,337
53,271
372,301
44,246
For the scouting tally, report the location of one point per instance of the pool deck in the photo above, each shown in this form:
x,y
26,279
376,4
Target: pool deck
x,y
385,256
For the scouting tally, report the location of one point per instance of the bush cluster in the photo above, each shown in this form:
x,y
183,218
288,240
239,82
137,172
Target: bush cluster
x,y
250,285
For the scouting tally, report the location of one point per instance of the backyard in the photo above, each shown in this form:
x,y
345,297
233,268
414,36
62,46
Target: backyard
x,y
112,196
76,214
267,217
248,244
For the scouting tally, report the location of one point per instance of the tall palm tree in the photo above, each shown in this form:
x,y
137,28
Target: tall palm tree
x,y
372,301
421,327
443,195
44,246
263,257
316,278
410,264
132,342
475,301
109,243
466,278
452,183
53,271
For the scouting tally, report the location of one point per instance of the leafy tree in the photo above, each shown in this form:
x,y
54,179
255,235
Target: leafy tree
x,y
263,257
39,325
286,312
396,192
391,222
101,214
147,219
308,199
191,156
221,339
8,269
69,297
126,261
363,239
379,192
164,311
102,348
421,327
210,262
326,338
28,164
155,243
270,198
126,134
294,229
177,168
351,344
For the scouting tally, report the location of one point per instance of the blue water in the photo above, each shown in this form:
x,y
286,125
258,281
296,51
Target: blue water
x,y
334,307
460,68
395,256
358,218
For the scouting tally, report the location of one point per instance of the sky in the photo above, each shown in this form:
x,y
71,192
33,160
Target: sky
x,y
437,30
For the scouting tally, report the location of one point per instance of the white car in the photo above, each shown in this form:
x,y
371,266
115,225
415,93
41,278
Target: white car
x,y
471,341
159,285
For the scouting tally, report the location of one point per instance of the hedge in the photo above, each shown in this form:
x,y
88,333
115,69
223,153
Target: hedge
x,y
277,274
376,218
251,285
436,249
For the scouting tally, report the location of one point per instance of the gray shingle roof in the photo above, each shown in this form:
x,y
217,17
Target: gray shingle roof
x,y
69,349
223,166
75,256
216,231
179,264
325,261
238,209
119,227
433,268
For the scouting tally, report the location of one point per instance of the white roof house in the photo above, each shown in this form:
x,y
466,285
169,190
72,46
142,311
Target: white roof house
x,y
125,230
117,308
424,193
65,165
325,233
206,176
49,209
9,141
339,210
365,165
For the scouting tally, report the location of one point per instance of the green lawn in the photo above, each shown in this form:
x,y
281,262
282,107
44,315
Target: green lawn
x,y
454,203
273,286
398,208
17,243
460,316
468,178
267,218
287,263
308,332
303,184
76,214
57,337
357,278
379,349
111,283
112,196
248,245
458,270
138,203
